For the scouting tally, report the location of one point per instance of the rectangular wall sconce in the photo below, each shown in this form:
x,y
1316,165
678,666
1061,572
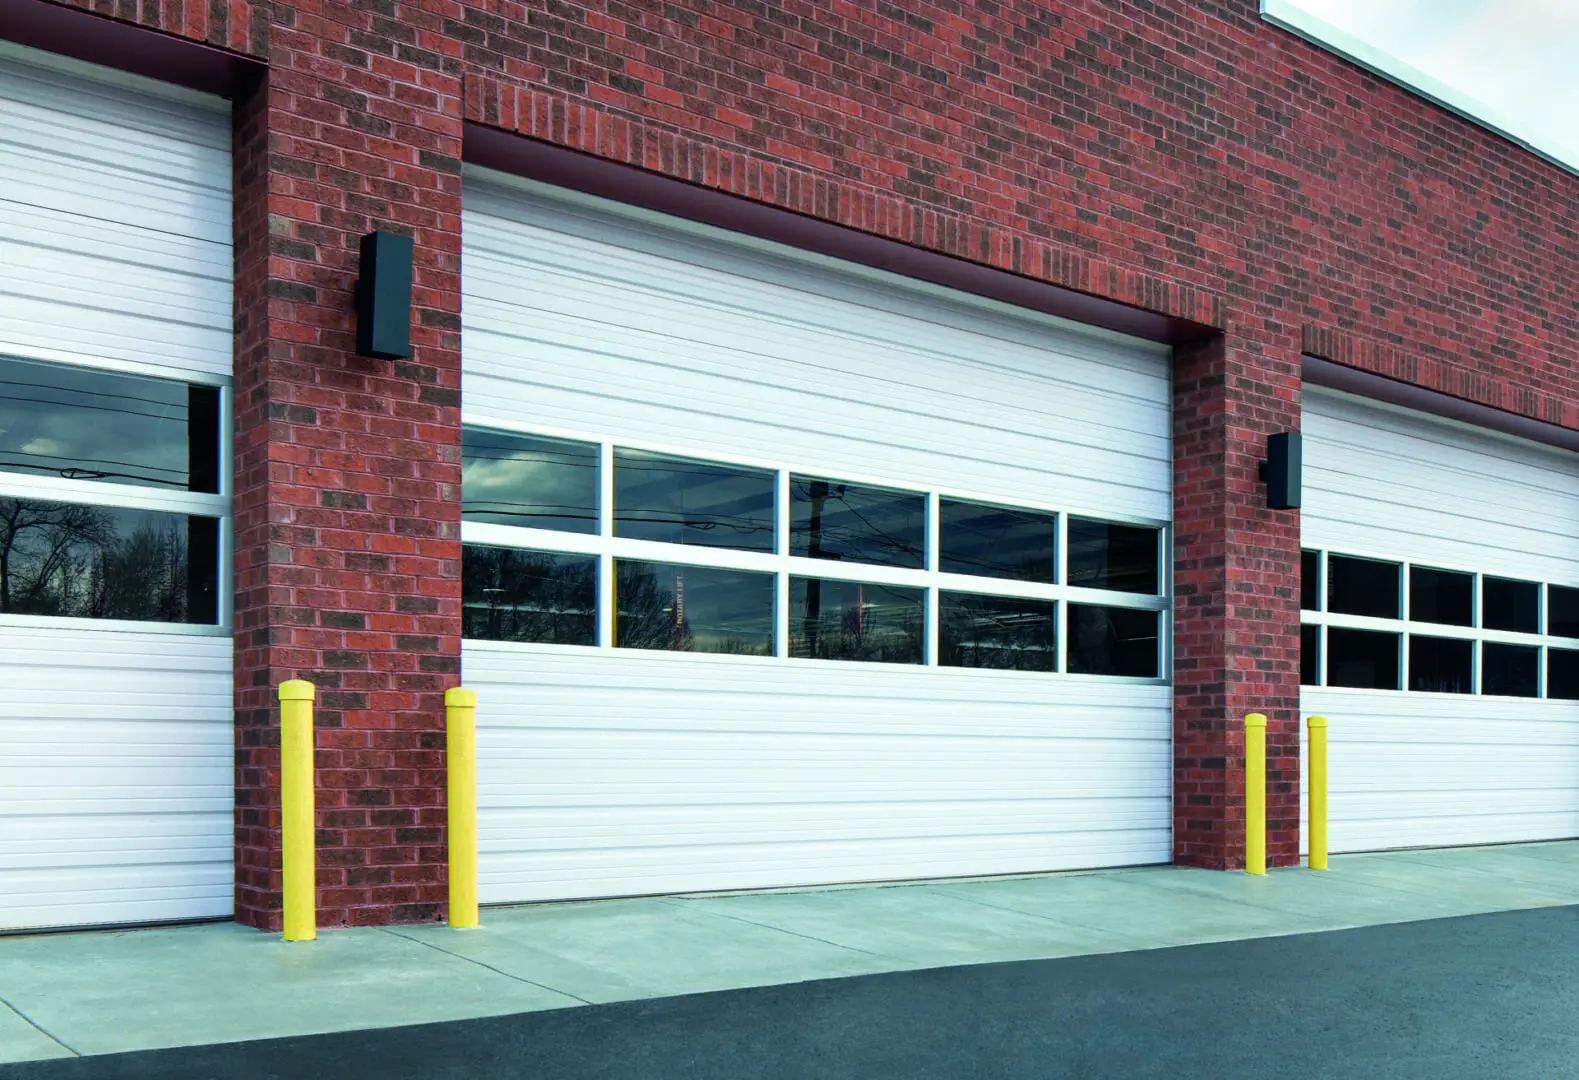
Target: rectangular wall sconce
x,y
383,297
1281,471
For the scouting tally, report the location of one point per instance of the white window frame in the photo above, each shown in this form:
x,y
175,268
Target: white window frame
x,y
132,497
1406,627
607,547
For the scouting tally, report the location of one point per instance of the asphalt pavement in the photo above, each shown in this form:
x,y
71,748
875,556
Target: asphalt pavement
x,y
1483,996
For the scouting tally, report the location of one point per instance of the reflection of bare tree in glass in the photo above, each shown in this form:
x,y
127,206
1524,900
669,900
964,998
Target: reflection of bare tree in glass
x,y
512,595
144,575
47,554
651,612
92,562
863,622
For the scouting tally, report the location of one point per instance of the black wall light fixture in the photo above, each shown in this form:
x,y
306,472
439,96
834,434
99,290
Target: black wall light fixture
x,y
1281,471
383,297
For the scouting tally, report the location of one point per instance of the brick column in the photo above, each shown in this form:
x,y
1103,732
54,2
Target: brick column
x,y
1236,588
347,470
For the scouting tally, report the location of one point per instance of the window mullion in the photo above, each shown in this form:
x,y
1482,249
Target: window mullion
x,y
933,560
607,601
781,525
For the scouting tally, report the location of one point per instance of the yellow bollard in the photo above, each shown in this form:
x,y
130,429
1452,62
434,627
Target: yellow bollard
x,y
298,851
1318,791
1255,794
460,722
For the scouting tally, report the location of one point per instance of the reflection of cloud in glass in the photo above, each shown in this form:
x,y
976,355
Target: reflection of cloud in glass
x,y
676,500
59,420
534,482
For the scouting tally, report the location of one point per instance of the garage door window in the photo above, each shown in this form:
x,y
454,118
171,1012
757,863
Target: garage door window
x,y
1466,632
530,482
693,608
834,519
584,542
674,500
997,541
111,496
512,594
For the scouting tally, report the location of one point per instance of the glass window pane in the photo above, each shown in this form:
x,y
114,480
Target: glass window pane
x,y
997,632
1112,641
1361,587
1365,659
1562,674
996,541
98,562
512,595
1103,555
1441,596
1441,665
679,501
1562,615
693,609
1309,655
510,479
1506,604
830,519
81,424
847,620
1310,580
1510,670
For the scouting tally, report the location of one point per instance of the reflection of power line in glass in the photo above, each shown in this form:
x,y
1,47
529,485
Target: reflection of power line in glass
x,y
82,406
576,461
82,472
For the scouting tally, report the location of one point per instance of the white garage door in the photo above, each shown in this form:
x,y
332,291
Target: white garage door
x,y
779,572
115,360
1441,590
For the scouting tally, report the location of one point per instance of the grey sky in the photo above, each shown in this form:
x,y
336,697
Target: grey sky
x,y
1509,59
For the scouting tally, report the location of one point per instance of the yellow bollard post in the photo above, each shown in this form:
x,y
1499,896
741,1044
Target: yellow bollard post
x,y
1318,792
1255,794
298,850
460,722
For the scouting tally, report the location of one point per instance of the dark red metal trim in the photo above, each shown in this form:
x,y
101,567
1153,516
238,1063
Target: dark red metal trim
x,y
537,160
1335,376
97,39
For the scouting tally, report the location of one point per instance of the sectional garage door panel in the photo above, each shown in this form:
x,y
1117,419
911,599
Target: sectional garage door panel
x,y
1419,770
1411,767
649,334
609,775
117,773
1399,485
114,222
613,771
116,784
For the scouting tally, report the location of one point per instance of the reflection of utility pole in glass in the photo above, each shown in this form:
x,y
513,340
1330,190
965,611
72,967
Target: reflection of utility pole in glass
x,y
819,495
860,617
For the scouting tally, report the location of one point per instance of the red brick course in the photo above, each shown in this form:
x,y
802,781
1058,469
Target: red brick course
x,y
1177,155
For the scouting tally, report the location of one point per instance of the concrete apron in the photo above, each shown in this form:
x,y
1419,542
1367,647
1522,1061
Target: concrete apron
x,y
104,992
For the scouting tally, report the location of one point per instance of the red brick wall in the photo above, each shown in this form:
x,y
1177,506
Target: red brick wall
x,y
347,471
1178,155
1236,598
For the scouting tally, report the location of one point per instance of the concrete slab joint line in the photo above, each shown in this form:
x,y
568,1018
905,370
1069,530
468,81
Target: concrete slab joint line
x,y
473,960
36,1027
